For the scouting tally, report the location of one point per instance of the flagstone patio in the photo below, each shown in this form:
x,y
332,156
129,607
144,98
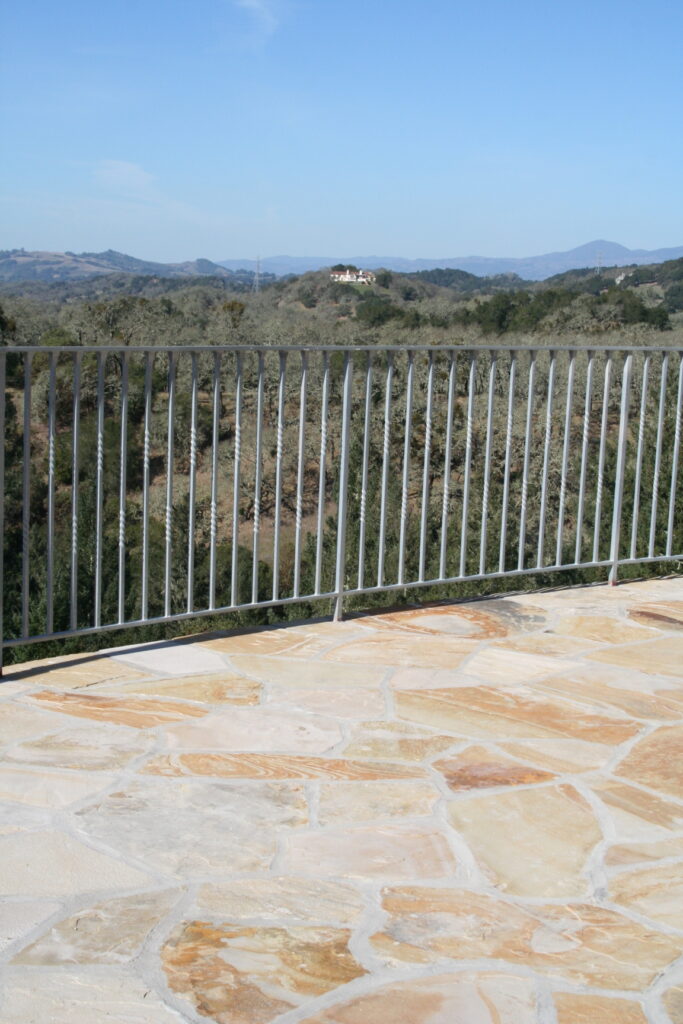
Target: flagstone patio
x,y
454,814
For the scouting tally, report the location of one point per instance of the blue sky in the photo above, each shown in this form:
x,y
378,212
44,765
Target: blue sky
x,y
231,128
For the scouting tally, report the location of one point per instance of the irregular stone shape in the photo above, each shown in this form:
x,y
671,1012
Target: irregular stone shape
x,y
637,815
498,664
401,649
664,615
546,643
140,714
637,853
479,768
395,740
53,864
578,1009
302,674
605,629
282,899
483,712
195,827
49,789
673,1001
346,702
657,761
278,766
587,687
272,641
583,944
219,688
382,852
236,975
175,658
454,619
486,998
530,842
114,746
258,729
655,657
17,919
70,997
561,755
76,671
111,932
656,892
18,722
359,801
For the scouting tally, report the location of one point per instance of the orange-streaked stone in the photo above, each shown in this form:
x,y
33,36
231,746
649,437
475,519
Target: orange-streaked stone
x,y
479,768
656,657
278,766
395,740
656,892
657,761
605,629
561,755
635,812
74,671
639,853
588,688
673,1001
664,615
399,648
138,713
221,688
573,1008
81,747
360,801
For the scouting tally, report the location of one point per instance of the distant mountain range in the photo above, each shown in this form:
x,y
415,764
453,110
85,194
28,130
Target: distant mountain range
x,y
532,268
22,265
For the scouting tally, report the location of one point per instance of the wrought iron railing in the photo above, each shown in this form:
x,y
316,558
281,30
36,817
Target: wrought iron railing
x,y
148,485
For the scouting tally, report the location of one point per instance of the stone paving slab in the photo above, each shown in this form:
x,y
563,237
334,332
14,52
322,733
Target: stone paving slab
x,y
450,814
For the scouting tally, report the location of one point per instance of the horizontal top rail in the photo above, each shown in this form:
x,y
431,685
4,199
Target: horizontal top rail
x,y
73,349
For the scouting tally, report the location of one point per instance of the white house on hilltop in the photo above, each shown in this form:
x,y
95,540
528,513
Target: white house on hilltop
x,y
351,275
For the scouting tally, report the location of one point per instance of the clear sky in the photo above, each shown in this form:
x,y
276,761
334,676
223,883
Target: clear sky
x,y
172,129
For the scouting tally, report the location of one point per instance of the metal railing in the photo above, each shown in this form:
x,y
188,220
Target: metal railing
x,y
148,485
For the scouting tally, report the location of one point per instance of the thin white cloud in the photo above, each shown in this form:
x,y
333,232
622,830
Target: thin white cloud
x,y
124,178
265,13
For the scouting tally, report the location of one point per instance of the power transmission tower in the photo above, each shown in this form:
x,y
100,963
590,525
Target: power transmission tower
x,y
598,263
256,283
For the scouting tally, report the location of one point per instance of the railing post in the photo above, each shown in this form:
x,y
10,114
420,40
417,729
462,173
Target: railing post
x,y
3,360
343,490
621,461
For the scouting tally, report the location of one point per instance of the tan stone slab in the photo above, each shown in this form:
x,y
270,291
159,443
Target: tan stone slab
x,y
283,671
395,740
239,975
638,853
427,678
547,644
656,892
18,919
140,713
385,852
194,827
580,943
71,997
469,620
342,702
278,766
360,801
258,730
657,761
18,722
604,629
294,643
282,899
483,712
480,768
74,672
673,1001
110,932
530,842
400,649
637,815
588,688
49,788
500,665
54,864
106,748
656,657
664,615
220,688
560,755
466,998
579,1009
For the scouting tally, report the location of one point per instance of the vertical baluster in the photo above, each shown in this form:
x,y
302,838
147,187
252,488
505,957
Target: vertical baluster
x,y
406,468
584,457
658,454
546,461
75,473
565,457
322,475
215,435
146,451
468,466
426,467
447,468
621,463
257,480
52,430
301,456
3,377
364,471
487,466
674,461
122,488
521,556
168,554
278,476
343,489
639,454
234,595
99,489
192,484
385,469
506,470
601,459
26,498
